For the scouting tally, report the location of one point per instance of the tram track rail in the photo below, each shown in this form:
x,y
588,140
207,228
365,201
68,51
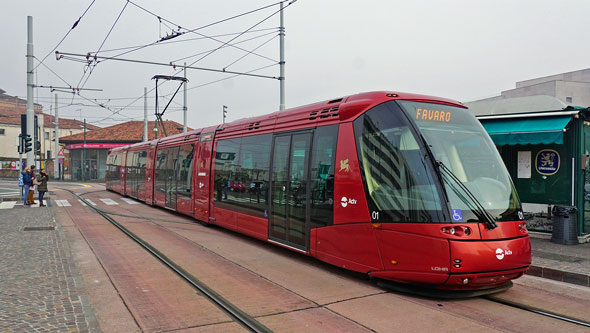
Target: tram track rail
x,y
227,307
247,321
536,310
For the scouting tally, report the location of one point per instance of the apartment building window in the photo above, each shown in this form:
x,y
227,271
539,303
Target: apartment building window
x,y
46,135
568,99
1,131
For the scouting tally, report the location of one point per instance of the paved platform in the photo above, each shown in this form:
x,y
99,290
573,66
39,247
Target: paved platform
x,y
40,287
567,263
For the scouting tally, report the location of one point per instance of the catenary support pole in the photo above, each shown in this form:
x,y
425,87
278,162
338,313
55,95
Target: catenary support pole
x,y
84,154
184,108
56,165
30,83
145,117
282,60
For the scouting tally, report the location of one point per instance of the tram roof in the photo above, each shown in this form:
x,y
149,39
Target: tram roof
x,y
327,112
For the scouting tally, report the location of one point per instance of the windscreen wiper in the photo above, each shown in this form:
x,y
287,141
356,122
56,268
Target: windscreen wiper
x,y
489,219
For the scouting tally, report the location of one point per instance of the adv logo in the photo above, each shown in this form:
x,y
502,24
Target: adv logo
x,y
501,253
346,201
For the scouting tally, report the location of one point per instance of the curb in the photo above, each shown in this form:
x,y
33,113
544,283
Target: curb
x,y
558,275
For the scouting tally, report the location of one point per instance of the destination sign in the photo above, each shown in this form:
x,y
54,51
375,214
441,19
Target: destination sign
x,y
433,115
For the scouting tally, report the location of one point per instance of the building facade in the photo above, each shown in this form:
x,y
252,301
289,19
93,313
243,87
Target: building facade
x,y
573,88
544,141
11,109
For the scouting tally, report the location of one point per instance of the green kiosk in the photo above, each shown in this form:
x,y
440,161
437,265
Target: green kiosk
x,y
547,155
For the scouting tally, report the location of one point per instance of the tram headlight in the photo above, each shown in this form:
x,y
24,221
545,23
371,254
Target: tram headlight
x,y
467,231
452,230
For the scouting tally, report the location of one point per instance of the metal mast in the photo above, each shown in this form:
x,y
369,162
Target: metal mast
x,y
282,60
30,83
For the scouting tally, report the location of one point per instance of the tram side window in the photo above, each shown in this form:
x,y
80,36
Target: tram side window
x,y
185,158
227,168
130,171
253,177
140,165
113,170
322,175
109,164
161,171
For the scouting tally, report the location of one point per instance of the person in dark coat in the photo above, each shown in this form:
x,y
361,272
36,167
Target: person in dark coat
x,y
42,187
27,183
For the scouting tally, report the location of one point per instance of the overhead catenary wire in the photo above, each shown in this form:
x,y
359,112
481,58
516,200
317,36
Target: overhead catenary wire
x,y
92,64
66,35
252,27
191,39
245,55
101,45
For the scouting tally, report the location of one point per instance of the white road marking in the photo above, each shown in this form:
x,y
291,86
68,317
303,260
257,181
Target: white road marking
x,y
36,204
90,202
62,203
82,202
7,204
109,202
130,201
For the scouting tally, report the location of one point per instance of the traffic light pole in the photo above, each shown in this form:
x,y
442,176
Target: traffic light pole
x,y
20,160
30,82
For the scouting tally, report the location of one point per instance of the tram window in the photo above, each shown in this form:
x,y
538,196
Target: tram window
x,y
322,175
227,167
140,164
398,182
161,171
253,176
130,171
185,159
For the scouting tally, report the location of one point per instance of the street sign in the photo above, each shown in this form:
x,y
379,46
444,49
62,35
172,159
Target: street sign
x,y
60,154
60,160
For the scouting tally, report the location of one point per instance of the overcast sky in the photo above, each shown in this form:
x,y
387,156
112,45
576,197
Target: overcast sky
x,y
463,50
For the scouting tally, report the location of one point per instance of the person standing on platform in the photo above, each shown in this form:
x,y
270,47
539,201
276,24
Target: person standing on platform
x,y
42,187
30,196
27,183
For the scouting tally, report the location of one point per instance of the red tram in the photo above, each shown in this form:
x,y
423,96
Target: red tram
x,y
402,187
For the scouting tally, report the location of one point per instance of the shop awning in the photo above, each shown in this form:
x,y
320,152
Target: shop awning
x,y
529,131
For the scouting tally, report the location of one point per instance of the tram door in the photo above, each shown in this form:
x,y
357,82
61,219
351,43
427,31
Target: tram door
x,y
289,184
202,167
172,166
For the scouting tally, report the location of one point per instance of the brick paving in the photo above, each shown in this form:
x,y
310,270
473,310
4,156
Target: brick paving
x,y
40,287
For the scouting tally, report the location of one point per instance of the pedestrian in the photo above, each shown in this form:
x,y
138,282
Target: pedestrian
x,y
42,187
31,194
27,183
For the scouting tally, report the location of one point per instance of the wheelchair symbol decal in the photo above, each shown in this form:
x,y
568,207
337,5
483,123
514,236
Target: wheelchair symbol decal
x,y
457,215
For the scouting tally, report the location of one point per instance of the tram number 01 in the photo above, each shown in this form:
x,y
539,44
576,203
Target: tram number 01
x,y
375,215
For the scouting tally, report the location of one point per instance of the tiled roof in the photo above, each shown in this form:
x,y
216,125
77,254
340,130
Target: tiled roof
x,y
65,123
11,107
131,131
14,103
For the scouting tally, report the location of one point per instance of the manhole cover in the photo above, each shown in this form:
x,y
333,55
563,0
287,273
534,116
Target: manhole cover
x,y
38,228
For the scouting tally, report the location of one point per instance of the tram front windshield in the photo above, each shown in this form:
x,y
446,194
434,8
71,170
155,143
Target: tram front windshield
x,y
401,179
460,143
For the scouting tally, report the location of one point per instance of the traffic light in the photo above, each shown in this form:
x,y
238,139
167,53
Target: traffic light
x,y
38,148
224,113
20,144
27,143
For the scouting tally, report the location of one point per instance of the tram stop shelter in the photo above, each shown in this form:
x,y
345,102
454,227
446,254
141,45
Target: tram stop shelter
x,y
545,145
